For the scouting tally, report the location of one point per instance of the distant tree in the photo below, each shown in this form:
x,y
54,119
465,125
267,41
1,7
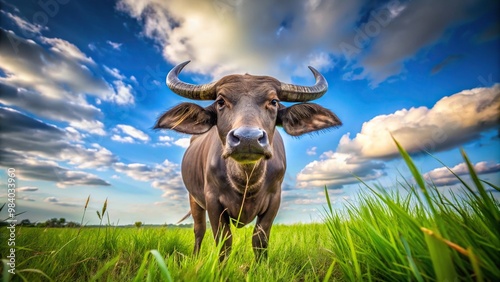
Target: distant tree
x,y
72,224
62,221
138,224
53,222
25,222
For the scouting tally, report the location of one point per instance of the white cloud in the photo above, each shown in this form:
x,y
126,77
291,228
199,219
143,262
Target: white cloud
x,y
27,189
81,115
165,141
73,134
442,176
51,200
130,131
92,46
23,68
32,168
165,176
114,72
311,151
315,201
183,142
24,24
169,141
114,45
297,200
96,157
232,35
66,49
60,94
123,94
452,121
122,139
24,198
320,60
123,91
56,201
292,34
43,146
166,138
337,169
90,126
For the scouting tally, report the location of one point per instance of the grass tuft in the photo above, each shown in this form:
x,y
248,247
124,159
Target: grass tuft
x,y
416,233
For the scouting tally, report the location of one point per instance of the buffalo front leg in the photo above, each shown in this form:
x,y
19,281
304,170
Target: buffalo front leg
x,y
262,230
260,240
200,225
219,220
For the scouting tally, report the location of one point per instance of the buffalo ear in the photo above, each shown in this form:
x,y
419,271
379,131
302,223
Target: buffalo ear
x,y
306,118
187,118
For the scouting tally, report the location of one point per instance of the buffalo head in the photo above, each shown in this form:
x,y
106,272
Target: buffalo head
x,y
246,111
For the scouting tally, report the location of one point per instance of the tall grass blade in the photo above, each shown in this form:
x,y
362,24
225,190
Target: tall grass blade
x,y
495,212
5,272
441,258
411,261
83,215
475,265
329,272
409,162
101,271
447,242
87,203
353,249
149,277
104,207
329,203
140,273
491,184
33,271
162,265
416,174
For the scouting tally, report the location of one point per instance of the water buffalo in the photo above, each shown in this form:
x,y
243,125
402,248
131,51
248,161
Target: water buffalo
x,y
235,163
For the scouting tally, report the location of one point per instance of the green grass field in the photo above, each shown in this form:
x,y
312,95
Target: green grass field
x,y
418,236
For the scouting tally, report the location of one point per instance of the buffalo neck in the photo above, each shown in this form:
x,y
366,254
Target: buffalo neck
x,y
247,177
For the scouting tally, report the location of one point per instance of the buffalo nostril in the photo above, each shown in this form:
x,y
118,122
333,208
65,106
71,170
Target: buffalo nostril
x,y
263,139
232,139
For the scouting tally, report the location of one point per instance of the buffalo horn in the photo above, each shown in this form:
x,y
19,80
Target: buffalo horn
x,y
297,93
191,91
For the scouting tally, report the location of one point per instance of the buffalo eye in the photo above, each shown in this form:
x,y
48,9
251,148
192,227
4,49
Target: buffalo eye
x,y
274,102
221,103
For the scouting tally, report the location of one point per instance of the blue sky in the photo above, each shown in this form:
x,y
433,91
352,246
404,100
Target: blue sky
x,y
82,83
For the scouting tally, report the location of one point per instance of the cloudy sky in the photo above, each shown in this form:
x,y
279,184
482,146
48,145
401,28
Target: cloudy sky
x,y
82,83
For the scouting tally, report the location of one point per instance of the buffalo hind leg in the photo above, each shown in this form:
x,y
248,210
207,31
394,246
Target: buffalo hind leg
x,y
200,225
